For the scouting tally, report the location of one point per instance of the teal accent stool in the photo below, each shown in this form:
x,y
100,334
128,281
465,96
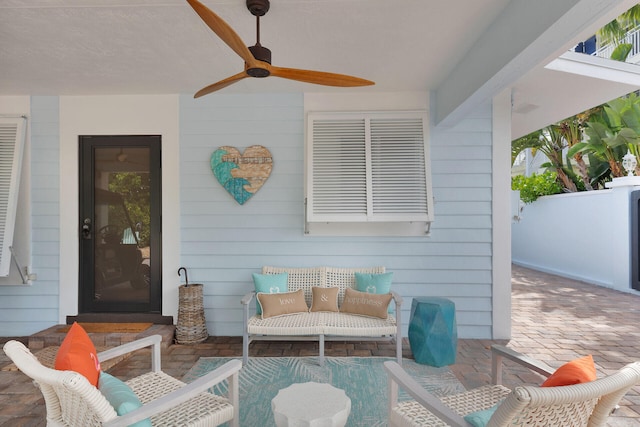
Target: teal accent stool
x,y
433,334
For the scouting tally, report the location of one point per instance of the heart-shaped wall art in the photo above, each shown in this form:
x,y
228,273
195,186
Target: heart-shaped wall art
x,y
242,175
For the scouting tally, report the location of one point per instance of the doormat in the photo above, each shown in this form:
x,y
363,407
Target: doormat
x,y
106,328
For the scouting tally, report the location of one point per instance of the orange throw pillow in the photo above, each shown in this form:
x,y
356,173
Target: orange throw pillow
x,y
577,371
77,353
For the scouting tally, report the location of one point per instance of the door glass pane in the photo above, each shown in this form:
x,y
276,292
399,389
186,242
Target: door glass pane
x,y
122,224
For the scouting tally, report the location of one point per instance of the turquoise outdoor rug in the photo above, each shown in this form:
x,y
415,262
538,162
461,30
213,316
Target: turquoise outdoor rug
x,y
362,378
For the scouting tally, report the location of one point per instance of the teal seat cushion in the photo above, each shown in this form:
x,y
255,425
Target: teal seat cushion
x,y
120,396
270,284
481,418
375,284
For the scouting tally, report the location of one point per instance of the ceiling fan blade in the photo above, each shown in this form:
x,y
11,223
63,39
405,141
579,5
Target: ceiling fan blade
x,y
221,84
223,30
319,77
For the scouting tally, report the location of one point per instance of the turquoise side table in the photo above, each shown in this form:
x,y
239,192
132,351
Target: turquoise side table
x,y
433,334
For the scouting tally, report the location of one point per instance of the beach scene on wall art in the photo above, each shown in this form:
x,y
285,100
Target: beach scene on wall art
x,y
242,174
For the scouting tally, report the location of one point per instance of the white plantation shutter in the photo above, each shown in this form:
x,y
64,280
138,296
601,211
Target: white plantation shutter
x,y
12,134
398,169
339,168
368,167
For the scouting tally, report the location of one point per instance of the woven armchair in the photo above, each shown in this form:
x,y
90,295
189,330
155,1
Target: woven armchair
x,y
587,404
71,400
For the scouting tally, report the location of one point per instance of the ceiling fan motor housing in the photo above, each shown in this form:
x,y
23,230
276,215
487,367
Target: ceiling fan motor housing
x,y
258,7
261,54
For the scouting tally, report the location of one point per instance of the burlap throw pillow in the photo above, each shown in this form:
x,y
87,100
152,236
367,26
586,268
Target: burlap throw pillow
x,y
365,304
324,299
282,303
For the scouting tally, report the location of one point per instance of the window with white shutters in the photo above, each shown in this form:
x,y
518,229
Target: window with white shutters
x,y
368,167
12,135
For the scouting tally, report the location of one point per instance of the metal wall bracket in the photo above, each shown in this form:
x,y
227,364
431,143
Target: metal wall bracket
x,y
24,273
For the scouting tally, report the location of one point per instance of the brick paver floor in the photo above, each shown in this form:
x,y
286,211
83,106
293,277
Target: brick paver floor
x,y
554,319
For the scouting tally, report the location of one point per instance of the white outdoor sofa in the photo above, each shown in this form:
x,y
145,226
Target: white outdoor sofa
x,y
321,326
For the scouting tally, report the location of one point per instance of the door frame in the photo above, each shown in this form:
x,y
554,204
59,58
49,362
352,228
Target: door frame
x,y
86,303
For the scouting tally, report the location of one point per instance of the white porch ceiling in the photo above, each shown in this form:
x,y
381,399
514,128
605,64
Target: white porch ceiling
x,y
96,47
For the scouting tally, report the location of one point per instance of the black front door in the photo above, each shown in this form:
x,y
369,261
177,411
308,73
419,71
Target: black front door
x,y
119,224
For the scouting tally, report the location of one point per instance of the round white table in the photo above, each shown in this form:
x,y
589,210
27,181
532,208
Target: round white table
x,y
311,404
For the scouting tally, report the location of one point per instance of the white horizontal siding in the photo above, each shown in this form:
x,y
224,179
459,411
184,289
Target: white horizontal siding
x,y
25,310
222,243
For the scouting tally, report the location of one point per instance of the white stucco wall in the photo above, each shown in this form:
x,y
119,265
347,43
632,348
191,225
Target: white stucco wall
x,y
584,236
118,115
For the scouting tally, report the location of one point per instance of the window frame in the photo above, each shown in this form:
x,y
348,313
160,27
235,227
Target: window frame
x,y
423,213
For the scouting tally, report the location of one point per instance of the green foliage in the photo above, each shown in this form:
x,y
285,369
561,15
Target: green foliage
x,y
528,141
621,52
615,30
534,186
585,151
599,172
135,190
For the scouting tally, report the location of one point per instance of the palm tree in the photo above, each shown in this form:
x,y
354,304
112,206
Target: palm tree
x,y
614,31
551,142
571,130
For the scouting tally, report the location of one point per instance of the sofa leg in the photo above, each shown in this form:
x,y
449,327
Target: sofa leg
x,y
245,348
321,345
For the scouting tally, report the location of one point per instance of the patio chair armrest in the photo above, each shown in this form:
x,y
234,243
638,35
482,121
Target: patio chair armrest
x,y
152,341
397,298
398,377
247,298
500,352
229,371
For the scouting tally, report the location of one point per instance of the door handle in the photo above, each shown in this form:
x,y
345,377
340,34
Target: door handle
x,y
86,229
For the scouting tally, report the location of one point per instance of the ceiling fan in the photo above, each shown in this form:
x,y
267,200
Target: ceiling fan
x,y
257,58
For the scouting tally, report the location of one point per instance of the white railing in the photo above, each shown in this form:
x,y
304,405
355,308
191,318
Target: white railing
x,y
632,37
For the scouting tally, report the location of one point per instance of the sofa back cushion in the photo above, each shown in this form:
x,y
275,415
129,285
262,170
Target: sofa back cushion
x,y
281,304
366,304
299,278
345,278
326,277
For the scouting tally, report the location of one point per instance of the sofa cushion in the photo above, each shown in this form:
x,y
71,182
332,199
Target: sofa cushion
x,y
365,304
77,353
324,299
374,284
281,304
270,284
